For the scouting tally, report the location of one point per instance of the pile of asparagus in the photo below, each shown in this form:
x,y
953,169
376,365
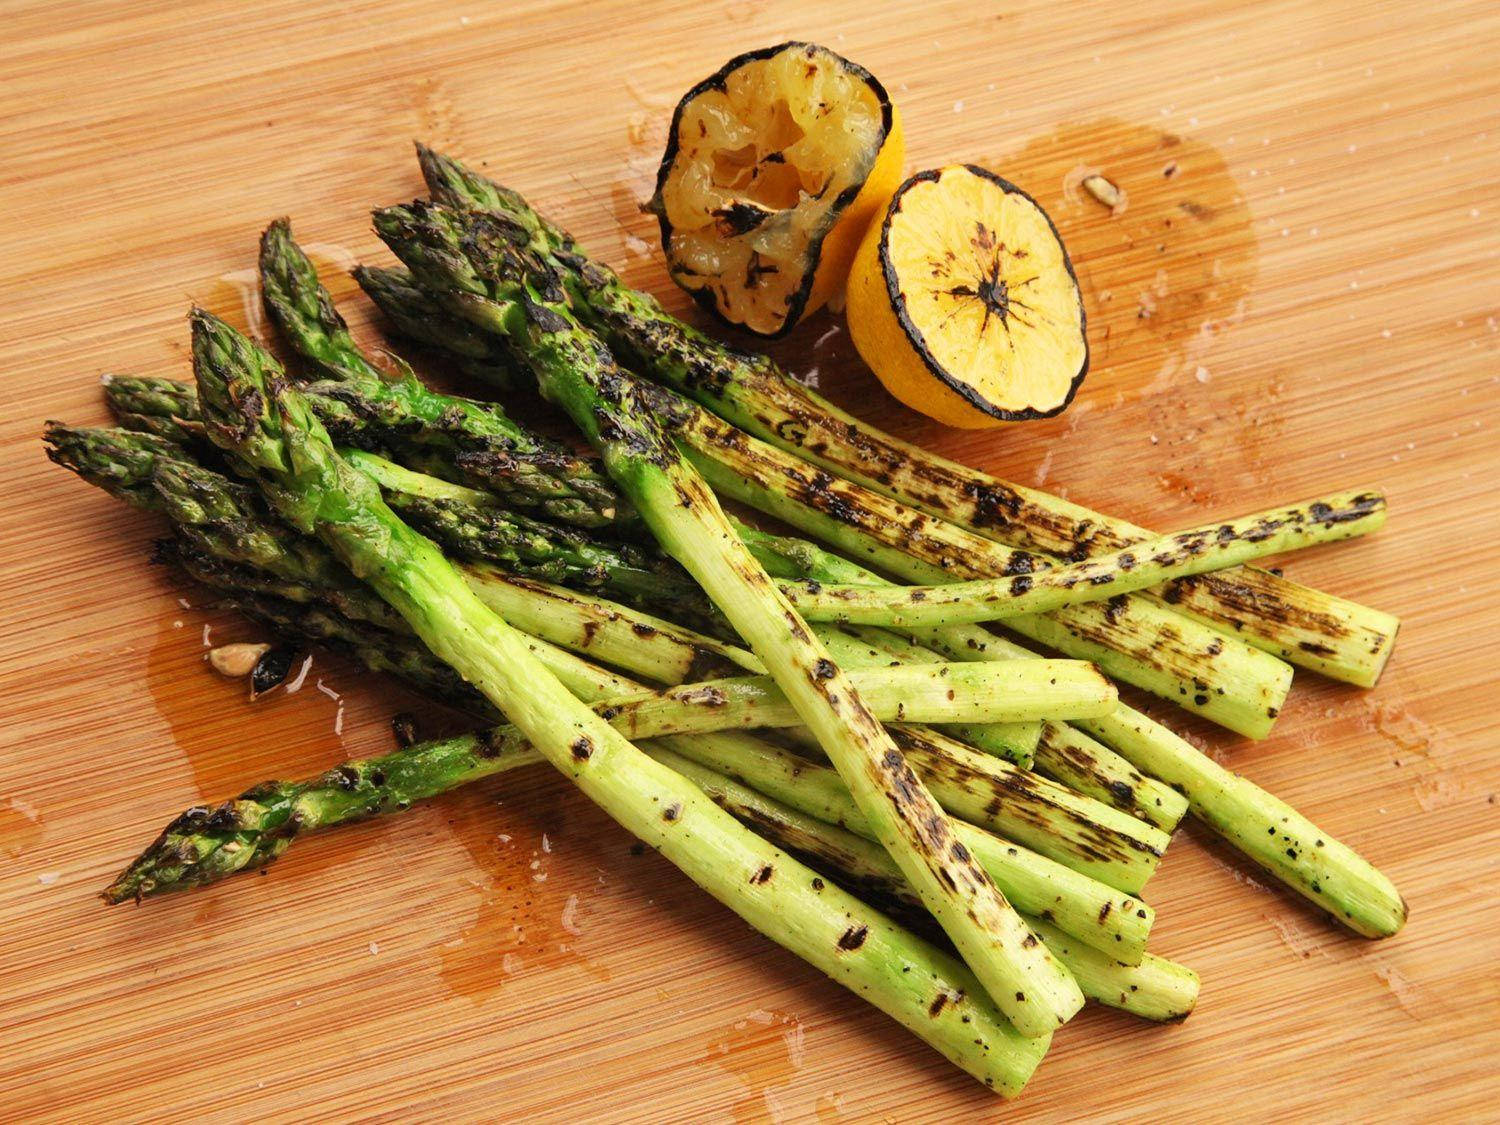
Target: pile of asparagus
x,y
825,733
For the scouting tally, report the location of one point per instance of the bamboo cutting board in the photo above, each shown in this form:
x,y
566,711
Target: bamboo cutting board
x,y
1300,295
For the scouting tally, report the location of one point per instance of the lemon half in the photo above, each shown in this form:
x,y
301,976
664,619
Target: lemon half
x,y
775,165
963,302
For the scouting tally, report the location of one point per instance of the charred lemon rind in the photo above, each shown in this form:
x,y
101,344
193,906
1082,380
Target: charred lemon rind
x,y
831,245
965,398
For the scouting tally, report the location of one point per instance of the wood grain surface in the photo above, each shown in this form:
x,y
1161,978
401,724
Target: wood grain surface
x,y
1300,295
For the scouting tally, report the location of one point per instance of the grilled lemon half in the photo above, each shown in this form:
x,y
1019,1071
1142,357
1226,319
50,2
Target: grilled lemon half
x,y
774,167
963,302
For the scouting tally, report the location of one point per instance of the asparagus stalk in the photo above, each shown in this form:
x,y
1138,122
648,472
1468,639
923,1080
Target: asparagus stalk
x,y
1266,829
1078,756
922,693
1156,989
473,261
1335,636
1214,547
1015,742
256,417
491,447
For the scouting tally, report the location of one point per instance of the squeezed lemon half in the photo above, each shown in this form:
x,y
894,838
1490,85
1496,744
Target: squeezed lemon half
x,y
963,302
774,167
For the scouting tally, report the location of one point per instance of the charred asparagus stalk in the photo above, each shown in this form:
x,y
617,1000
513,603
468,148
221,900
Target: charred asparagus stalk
x,y
1332,635
477,263
1214,547
257,418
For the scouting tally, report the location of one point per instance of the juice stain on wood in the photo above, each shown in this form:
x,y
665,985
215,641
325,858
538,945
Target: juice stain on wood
x,y
535,896
764,1051
1161,276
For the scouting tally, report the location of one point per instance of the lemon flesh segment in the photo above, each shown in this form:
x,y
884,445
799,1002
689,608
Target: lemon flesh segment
x,y
982,301
766,158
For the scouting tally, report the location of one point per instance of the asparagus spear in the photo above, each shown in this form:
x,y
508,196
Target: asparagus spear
x,y
1155,989
474,263
419,318
1214,547
256,417
1332,635
492,448
1270,832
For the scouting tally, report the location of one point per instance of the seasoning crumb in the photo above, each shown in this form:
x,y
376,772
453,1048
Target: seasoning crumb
x,y
237,660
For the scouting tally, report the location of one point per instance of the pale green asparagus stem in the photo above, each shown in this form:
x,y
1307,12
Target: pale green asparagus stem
x,y
254,415
1267,830
1094,912
923,693
1214,547
1156,989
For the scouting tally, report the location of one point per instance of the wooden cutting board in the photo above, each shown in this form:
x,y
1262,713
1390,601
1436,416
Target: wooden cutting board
x,y
1300,295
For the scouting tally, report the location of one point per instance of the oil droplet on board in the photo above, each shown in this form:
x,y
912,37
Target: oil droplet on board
x,y
764,1051
21,827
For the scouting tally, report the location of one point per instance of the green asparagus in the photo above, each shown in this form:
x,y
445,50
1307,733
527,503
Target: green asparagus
x,y
252,413
489,446
417,317
476,264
